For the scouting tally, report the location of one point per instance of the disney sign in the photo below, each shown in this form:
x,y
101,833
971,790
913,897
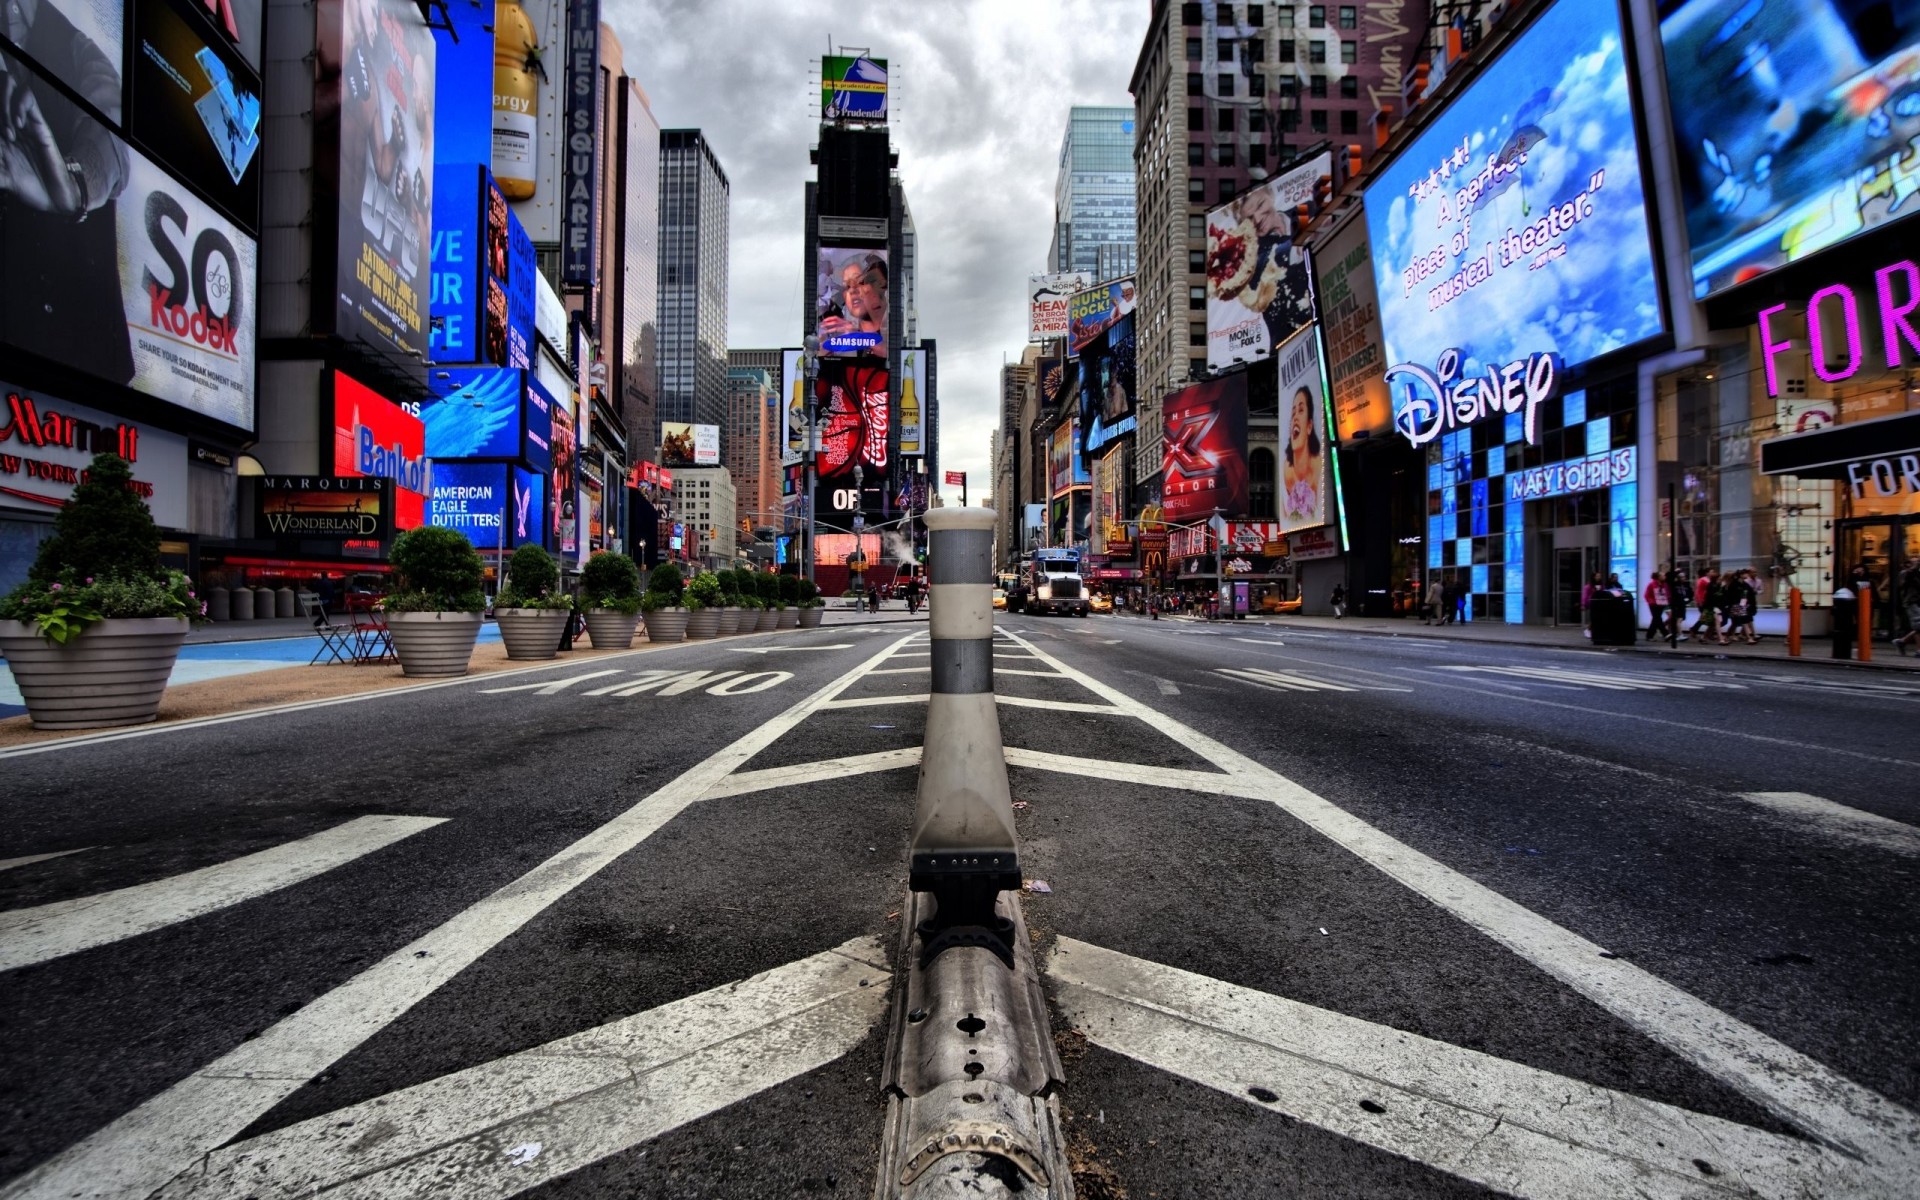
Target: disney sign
x,y
1440,399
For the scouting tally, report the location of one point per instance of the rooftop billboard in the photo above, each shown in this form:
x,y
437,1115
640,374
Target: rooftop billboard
x,y
1259,289
853,301
853,88
1204,461
1048,297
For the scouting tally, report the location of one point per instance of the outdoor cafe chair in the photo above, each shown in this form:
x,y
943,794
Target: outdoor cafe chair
x,y
336,641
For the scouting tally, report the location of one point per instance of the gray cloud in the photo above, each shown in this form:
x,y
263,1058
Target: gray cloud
x,y
980,89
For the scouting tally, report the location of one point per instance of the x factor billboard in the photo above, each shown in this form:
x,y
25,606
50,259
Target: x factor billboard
x,y
1204,460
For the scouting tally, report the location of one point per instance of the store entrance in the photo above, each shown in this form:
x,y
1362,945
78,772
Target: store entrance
x,y
1885,547
1571,570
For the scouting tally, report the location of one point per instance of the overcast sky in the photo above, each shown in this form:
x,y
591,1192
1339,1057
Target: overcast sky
x,y
980,93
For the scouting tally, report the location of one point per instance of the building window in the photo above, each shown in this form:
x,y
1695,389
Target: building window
x,y
1196,154
1224,153
1196,189
1257,155
1196,225
1226,83
1256,15
1283,16
1317,16
1257,86
1256,50
1227,188
1223,14
1289,85
1196,83
1286,50
1349,121
1256,120
1196,368
1190,15
1349,52
1196,261
1317,87
1316,52
1349,87
1196,120
1289,120
1223,120
1196,333
1317,120
1197,298
1349,19
1193,49
1260,484
1223,50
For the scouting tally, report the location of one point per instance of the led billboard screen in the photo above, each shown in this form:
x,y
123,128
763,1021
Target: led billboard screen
x,y
1350,319
472,498
1516,224
529,74
375,87
793,387
854,418
853,88
1048,299
1303,438
1092,312
1259,289
476,412
912,394
332,508
98,24
196,106
1108,388
155,291
852,308
374,436
1204,463
1796,123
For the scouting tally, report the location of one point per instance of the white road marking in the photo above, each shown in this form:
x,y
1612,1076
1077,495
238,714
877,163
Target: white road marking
x,y
787,649
527,1119
547,689
1514,1128
1057,705
7,864
898,671
877,701
1126,772
1281,680
1576,677
1260,641
1850,823
742,783
1018,671
1814,1098
739,686
143,1149
32,935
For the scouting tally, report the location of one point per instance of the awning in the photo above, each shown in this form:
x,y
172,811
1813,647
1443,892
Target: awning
x,y
1829,453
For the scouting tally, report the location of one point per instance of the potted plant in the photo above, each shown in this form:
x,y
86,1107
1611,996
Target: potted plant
x,y
789,593
610,591
703,598
729,601
738,584
664,604
435,609
813,609
768,589
92,634
531,609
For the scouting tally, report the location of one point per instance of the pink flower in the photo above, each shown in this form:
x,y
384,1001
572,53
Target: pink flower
x,y
55,588
89,579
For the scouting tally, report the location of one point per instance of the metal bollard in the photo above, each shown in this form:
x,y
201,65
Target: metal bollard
x,y
963,844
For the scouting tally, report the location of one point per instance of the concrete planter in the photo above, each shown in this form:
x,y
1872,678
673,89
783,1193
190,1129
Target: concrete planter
x,y
769,620
611,629
531,632
730,621
703,624
810,618
789,618
113,674
435,643
667,625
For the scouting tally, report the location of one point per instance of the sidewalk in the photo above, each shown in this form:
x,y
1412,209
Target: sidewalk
x,y
1770,650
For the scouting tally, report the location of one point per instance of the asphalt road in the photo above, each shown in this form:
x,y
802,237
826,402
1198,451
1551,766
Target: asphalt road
x,y
1324,915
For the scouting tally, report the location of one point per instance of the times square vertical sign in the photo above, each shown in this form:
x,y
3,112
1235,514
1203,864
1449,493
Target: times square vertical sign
x,y
583,141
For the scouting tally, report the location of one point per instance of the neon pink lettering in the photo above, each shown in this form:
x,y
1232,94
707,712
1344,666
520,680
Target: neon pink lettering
x,y
1892,318
1817,342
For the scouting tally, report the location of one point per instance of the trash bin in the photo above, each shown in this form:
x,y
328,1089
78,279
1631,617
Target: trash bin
x,y
1846,621
242,603
263,604
1614,621
218,599
283,603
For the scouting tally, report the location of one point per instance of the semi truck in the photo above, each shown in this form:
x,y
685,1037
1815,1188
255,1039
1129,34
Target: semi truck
x,y
1054,584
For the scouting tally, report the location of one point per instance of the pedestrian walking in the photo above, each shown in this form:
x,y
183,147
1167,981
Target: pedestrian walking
x,y
913,594
1459,612
1700,588
1739,598
1593,585
1678,593
1713,606
873,598
1339,600
1436,596
1656,597
1910,604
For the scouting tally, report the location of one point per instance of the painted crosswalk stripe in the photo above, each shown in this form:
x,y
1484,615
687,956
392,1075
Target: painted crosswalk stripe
x,y
1576,677
8,864
525,1120
1850,824
1514,1128
1285,681
32,935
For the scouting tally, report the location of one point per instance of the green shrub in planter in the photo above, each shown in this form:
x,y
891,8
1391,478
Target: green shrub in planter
x,y
789,589
809,593
102,562
668,583
704,592
438,570
767,587
730,586
611,581
533,581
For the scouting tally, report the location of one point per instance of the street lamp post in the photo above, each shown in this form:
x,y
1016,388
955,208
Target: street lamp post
x,y
810,361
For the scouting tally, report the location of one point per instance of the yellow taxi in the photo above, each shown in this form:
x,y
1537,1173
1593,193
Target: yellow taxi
x,y
1000,598
1100,602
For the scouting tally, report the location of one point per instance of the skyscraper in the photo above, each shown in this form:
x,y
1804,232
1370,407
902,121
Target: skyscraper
x,y
750,441
1093,194
636,353
694,213
1227,95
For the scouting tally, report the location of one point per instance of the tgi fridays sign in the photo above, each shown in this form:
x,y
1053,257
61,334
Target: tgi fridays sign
x,y
46,446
